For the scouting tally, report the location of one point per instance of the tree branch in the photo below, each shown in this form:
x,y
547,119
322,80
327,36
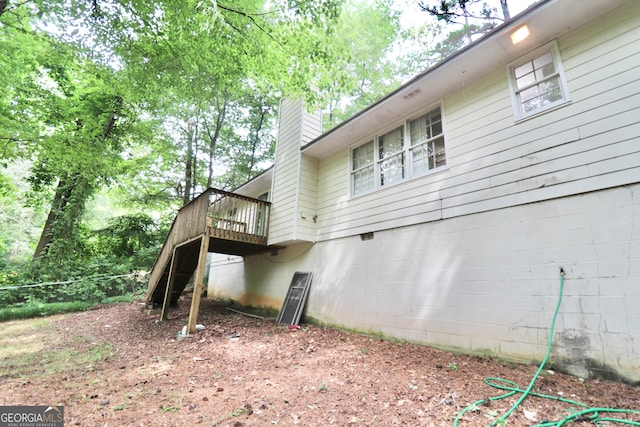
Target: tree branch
x,y
9,140
447,12
251,18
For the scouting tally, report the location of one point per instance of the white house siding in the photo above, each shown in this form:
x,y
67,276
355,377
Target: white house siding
x,y
469,256
312,126
283,193
486,282
589,144
295,178
307,200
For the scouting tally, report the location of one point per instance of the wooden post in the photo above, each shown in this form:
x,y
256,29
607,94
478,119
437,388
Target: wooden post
x,y
170,281
198,282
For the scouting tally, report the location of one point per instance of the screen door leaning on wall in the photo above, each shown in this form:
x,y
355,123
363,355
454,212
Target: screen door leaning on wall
x,y
293,305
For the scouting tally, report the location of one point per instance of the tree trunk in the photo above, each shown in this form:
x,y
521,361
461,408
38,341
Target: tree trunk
x,y
505,10
68,203
60,198
256,140
188,171
213,138
467,27
3,6
57,238
194,162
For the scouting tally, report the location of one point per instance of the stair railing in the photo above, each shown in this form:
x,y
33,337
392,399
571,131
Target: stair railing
x,y
231,216
190,222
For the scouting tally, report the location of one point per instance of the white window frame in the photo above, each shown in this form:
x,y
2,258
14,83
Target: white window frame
x,y
391,158
406,154
364,168
515,92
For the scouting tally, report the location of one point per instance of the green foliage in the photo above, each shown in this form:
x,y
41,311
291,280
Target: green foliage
x,y
148,103
39,310
7,197
126,236
361,69
43,283
18,68
95,271
457,23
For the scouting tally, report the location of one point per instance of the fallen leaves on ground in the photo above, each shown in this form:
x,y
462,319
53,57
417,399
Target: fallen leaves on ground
x,y
243,371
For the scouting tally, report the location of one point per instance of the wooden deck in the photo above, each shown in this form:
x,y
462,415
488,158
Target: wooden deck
x,y
216,221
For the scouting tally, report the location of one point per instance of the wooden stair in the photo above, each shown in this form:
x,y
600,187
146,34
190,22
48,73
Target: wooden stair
x,y
187,261
216,221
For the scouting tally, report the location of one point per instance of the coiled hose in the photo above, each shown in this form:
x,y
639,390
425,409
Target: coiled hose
x,y
593,415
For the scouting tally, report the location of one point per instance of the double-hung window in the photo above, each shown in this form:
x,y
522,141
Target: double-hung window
x,y
427,142
362,169
537,82
406,151
391,156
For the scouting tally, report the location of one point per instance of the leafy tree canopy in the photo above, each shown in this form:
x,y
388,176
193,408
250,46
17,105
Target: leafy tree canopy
x,y
155,100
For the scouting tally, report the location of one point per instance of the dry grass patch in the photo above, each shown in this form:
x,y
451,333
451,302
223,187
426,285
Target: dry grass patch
x,y
35,347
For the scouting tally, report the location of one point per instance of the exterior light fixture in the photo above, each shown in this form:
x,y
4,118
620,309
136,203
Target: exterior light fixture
x,y
520,34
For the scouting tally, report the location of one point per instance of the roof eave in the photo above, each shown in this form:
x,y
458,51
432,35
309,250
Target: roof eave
x,y
492,51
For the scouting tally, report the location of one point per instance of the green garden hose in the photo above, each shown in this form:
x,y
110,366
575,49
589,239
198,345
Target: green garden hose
x,y
511,388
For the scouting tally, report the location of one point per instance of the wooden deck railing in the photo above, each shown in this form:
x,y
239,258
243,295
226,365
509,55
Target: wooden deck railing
x,y
230,216
235,217
189,223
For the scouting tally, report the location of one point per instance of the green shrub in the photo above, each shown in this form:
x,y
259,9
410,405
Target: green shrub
x,y
39,310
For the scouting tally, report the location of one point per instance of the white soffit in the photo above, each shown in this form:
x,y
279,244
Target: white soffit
x,y
546,20
256,185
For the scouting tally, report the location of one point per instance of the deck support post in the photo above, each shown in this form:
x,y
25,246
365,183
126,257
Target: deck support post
x,y
169,290
198,282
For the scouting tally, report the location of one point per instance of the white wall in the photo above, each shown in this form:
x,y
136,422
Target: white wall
x,y
293,194
469,257
486,282
591,143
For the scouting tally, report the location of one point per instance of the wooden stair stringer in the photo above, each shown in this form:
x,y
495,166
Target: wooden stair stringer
x,y
187,261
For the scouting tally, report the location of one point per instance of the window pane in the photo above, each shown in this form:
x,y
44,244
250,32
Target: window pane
x,y
419,129
530,105
436,128
554,95
523,69
543,60
551,85
545,72
439,154
363,155
420,160
363,180
535,103
391,143
392,170
526,80
541,95
528,94
429,155
425,127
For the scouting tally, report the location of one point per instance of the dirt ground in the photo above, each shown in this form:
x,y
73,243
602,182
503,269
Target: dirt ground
x,y
117,366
